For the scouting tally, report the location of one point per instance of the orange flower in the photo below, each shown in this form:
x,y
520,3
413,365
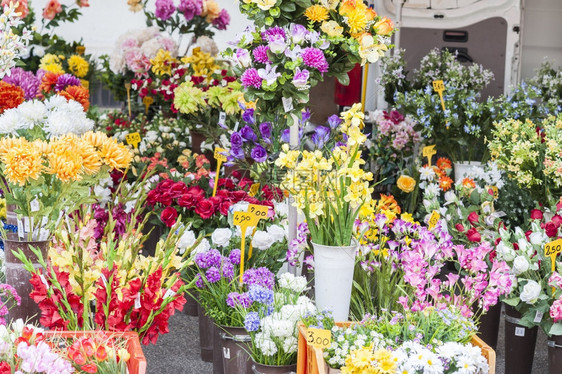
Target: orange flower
x,y
444,163
445,183
48,81
468,183
11,96
116,155
438,172
101,353
20,8
388,202
22,163
51,10
384,26
77,93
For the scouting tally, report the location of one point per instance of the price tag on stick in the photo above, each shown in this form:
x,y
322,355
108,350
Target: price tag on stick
x,y
147,101
433,219
254,189
243,220
428,152
133,139
319,338
439,87
220,157
552,250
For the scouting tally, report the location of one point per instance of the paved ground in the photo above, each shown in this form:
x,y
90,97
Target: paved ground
x,y
178,351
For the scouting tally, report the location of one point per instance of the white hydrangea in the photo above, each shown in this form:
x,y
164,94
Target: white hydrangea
x,y
293,283
265,344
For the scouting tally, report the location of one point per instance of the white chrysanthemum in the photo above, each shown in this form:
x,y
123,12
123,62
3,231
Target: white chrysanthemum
x,y
32,113
10,122
54,102
427,173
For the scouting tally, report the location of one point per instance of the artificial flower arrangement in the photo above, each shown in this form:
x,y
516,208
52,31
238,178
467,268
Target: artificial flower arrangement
x,y
463,121
13,44
291,45
44,179
79,270
529,153
532,293
329,186
272,319
29,349
395,140
393,343
78,64
196,17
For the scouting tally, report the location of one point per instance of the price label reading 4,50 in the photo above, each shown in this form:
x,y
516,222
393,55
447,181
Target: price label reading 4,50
x,y
319,338
242,219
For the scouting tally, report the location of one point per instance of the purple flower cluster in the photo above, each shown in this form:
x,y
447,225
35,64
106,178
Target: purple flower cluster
x,y
314,58
298,244
28,82
247,137
259,276
214,267
190,8
252,322
66,80
260,54
234,256
235,299
262,295
164,9
251,78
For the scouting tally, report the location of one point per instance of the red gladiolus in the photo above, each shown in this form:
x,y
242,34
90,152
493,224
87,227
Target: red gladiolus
x,y
473,235
536,214
152,197
473,218
551,229
169,216
90,368
206,208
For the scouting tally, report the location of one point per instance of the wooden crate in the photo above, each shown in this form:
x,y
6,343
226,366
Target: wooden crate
x,y
310,360
137,362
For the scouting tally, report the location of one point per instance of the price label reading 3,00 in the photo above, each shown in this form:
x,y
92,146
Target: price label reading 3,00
x,y
319,338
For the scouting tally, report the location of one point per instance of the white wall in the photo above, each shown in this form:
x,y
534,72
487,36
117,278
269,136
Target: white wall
x,y
105,20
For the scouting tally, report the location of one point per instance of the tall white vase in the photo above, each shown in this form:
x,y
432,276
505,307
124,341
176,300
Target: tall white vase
x,y
463,168
333,278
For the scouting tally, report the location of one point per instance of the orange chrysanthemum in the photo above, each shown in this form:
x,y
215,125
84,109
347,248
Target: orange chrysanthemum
x,y
388,202
438,172
116,155
317,13
64,158
22,162
468,183
91,160
77,93
11,96
48,81
8,143
444,163
445,183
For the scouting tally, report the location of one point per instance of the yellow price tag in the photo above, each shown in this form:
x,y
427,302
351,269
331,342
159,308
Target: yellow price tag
x,y
434,219
254,189
133,139
243,220
495,190
439,87
319,338
258,211
552,250
220,157
147,101
428,152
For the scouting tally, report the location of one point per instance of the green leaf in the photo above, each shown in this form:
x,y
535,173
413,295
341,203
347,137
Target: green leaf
x,y
556,329
512,302
343,78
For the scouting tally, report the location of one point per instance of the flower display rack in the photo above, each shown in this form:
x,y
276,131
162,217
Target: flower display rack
x,y
310,360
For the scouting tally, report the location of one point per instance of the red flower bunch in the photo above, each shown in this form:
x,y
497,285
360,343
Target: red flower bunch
x,y
60,292
87,352
145,309
552,227
11,96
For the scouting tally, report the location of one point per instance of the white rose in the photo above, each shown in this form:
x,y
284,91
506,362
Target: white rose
x,y
186,241
520,265
531,292
281,209
277,232
203,247
537,238
524,245
221,237
262,240
505,252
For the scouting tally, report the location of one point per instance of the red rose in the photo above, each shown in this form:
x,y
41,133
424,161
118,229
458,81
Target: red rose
x,y
557,220
515,246
165,185
239,195
196,190
551,229
459,227
536,214
189,201
473,235
178,189
166,199
498,240
224,206
473,218
169,216
152,197
245,182
5,368
205,208
226,183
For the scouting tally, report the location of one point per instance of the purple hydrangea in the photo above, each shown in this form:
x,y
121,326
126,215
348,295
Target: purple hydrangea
x,y
66,80
260,54
199,281
259,276
248,134
251,78
234,298
28,82
164,9
213,274
314,58
262,295
265,130
236,140
227,269
259,154
234,256
190,8
222,21
252,322
248,116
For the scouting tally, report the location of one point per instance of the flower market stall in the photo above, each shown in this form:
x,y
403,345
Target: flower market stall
x,y
203,203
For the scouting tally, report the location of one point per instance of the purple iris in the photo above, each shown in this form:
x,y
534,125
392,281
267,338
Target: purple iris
x,y
305,116
237,153
259,154
334,121
321,136
286,135
236,140
248,134
248,116
265,130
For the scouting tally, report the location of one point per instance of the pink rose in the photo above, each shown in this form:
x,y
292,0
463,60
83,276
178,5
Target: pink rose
x,y
536,214
52,8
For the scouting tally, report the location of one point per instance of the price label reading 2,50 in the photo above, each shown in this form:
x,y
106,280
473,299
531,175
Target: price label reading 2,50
x,y
319,338
553,248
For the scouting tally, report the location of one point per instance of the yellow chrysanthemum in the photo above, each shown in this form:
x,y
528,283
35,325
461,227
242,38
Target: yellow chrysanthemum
x,y
162,63
115,155
78,66
53,68
97,139
64,160
52,63
317,13
91,160
22,162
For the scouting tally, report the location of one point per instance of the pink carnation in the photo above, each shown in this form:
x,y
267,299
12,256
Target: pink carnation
x,y
556,310
314,58
251,78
